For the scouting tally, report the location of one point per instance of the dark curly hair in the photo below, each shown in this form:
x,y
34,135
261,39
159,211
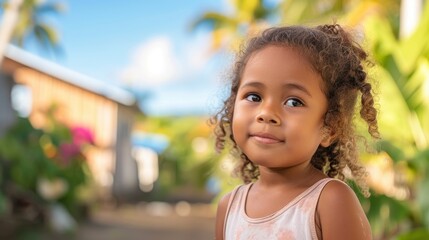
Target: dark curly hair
x,y
340,60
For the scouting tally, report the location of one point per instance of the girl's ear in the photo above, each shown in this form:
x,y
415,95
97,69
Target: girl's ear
x,y
328,136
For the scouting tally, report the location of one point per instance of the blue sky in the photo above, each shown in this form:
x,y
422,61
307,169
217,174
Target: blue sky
x,y
146,45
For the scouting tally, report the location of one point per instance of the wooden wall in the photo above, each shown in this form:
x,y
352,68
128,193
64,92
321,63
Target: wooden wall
x,y
77,107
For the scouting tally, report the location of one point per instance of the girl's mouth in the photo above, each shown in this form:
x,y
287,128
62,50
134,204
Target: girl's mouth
x,y
265,138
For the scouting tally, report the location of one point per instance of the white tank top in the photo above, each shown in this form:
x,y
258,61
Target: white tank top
x,y
296,220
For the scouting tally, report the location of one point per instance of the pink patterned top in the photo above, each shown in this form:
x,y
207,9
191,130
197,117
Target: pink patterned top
x,y
296,220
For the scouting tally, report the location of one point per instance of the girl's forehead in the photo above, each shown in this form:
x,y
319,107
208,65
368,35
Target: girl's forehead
x,y
292,53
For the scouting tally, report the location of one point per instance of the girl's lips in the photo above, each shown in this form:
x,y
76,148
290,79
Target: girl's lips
x,y
265,138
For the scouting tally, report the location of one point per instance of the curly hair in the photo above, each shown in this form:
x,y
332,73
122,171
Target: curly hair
x,y
339,59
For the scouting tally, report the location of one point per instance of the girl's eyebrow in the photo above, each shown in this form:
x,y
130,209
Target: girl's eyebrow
x,y
253,84
285,86
297,86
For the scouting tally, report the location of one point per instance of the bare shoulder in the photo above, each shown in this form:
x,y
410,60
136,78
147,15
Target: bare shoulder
x,y
341,215
223,204
220,215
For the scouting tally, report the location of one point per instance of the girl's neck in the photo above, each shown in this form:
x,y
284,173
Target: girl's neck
x,y
306,175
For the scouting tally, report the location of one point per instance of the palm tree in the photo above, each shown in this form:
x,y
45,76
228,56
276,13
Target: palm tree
x,y
10,15
228,30
350,12
248,17
32,23
22,20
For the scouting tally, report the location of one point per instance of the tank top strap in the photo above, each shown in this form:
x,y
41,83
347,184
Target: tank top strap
x,y
317,188
231,198
236,193
320,185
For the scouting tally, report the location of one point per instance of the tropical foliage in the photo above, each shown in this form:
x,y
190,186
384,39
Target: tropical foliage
x,y
403,73
42,168
248,17
351,12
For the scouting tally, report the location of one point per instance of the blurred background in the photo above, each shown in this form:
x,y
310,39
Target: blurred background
x,y
104,108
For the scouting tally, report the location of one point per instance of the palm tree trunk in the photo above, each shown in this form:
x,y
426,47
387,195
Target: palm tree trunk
x,y
8,24
7,114
410,16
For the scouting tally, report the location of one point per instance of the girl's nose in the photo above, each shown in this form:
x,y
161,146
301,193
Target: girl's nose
x,y
268,117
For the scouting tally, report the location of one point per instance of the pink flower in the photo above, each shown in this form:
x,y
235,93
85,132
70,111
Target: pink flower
x,y
82,135
68,151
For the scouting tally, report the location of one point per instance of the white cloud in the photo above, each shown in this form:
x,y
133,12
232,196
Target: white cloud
x,y
153,63
198,52
160,62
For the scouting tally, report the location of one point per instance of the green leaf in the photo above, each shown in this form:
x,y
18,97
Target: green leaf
x,y
214,20
423,200
3,203
418,234
386,214
395,153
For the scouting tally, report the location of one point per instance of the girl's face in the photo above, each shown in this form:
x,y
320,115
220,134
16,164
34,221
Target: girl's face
x,y
279,109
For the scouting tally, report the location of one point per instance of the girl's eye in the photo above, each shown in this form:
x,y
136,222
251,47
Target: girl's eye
x,y
253,98
293,102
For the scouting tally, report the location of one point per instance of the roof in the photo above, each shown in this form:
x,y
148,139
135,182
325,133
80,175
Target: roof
x,y
96,86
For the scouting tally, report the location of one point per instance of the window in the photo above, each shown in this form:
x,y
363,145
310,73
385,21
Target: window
x,y
21,98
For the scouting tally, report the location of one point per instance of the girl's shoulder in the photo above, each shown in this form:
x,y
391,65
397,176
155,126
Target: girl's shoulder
x,y
337,198
341,214
335,186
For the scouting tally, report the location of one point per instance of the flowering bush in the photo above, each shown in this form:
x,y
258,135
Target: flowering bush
x,y
39,168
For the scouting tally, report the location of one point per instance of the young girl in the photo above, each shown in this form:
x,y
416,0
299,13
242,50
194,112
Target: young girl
x,y
290,119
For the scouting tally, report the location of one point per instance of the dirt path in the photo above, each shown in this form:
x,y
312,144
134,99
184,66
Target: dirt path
x,y
156,221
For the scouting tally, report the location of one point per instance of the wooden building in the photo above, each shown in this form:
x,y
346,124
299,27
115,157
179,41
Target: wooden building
x,y
108,111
